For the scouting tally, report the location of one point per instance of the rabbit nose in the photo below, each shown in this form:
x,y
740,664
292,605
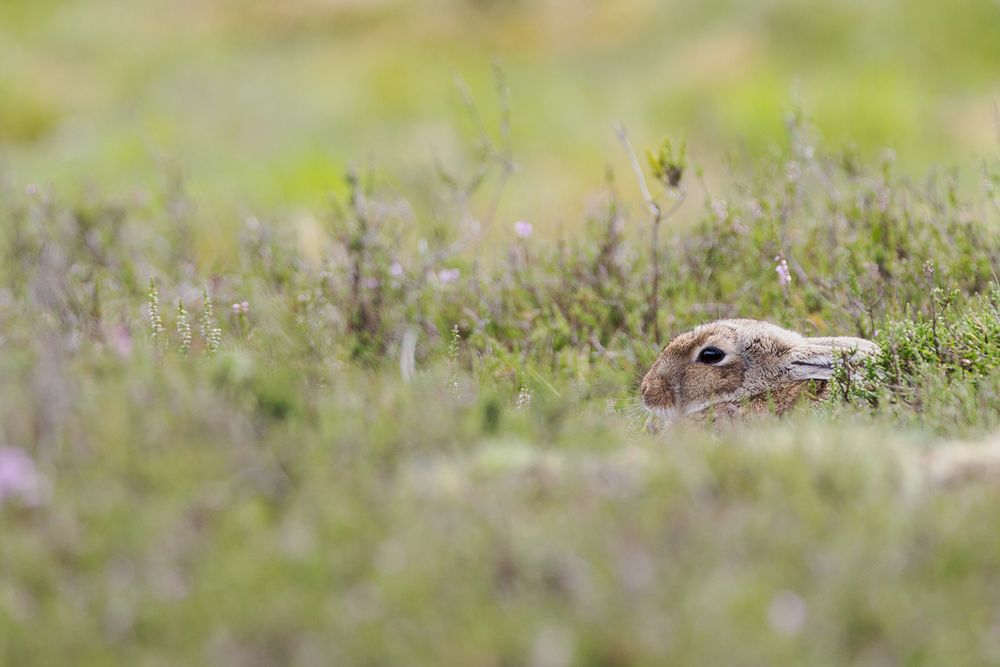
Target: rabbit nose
x,y
644,389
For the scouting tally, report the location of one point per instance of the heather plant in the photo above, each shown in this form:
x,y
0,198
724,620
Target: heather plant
x,y
211,334
951,351
295,371
412,441
183,330
156,330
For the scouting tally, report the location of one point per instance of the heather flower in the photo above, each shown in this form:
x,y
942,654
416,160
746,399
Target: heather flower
x,y
721,209
208,329
784,275
446,276
153,306
19,478
523,228
121,341
523,394
183,328
453,347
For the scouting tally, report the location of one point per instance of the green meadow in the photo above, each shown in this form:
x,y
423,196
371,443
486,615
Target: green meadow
x,y
322,324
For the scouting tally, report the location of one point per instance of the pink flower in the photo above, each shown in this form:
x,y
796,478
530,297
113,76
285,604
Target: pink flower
x,y
121,341
784,275
448,276
396,270
721,209
523,228
19,478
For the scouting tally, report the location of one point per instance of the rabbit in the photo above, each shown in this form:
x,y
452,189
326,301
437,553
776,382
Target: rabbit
x,y
734,368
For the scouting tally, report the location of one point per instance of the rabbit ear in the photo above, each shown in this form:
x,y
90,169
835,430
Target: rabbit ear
x,y
814,358
847,343
811,362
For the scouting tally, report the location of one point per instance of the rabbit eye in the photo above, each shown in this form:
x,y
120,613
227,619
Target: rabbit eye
x,y
711,355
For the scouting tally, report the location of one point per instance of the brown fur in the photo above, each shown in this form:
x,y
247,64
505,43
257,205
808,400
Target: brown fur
x,y
766,369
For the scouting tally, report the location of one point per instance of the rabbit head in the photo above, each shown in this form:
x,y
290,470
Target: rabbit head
x,y
728,364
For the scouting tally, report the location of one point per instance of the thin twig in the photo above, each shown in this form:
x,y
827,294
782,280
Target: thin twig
x,y
652,314
502,155
654,207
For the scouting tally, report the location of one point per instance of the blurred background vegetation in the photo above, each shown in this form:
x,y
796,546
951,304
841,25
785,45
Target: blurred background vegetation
x,y
263,103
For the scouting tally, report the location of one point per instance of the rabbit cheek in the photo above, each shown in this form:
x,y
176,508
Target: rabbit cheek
x,y
703,382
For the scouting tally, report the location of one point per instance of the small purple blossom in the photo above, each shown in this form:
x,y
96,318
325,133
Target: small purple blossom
x,y
523,228
721,209
241,308
784,275
371,283
121,341
396,270
19,478
446,276
32,189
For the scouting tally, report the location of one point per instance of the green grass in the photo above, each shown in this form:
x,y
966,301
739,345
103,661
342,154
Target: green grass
x,y
420,441
290,498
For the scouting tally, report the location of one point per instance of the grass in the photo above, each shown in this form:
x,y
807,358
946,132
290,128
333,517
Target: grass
x,y
232,468
260,406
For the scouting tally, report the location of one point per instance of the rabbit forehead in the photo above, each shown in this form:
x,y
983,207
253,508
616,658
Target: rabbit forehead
x,y
741,336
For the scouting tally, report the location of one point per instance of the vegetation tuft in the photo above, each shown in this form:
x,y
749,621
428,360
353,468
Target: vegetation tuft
x,y
362,440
